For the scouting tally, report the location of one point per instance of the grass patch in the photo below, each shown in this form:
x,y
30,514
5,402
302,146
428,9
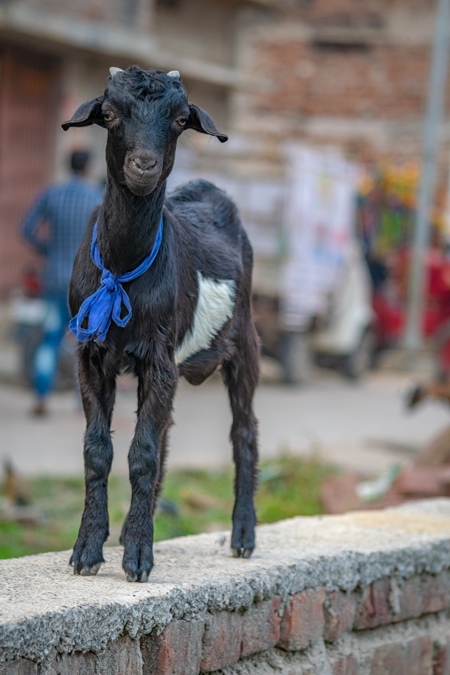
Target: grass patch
x,y
193,501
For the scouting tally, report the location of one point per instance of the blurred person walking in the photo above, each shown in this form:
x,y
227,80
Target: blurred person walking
x,y
65,208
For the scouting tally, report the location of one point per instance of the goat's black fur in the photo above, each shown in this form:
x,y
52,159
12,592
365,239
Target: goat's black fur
x,y
145,112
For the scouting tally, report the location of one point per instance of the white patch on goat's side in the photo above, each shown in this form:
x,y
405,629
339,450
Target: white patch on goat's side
x,y
215,307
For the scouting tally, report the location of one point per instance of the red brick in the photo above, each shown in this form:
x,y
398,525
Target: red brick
x,y
412,598
122,657
381,604
18,667
420,656
222,641
412,658
423,594
340,80
80,664
437,596
422,481
374,607
303,620
261,627
176,651
345,665
339,613
388,659
441,661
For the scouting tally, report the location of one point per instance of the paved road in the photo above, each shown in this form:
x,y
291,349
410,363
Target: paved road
x,y
352,424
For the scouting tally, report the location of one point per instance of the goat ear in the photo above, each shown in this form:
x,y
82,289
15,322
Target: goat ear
x,y
88,113
201,121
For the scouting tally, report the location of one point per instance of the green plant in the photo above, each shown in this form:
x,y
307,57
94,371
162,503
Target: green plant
x,y
193,501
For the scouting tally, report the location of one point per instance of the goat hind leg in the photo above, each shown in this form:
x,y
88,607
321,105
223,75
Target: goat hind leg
x,y
240,375
161,466
97,387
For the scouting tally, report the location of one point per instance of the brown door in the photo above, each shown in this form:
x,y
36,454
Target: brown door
x,y
28,107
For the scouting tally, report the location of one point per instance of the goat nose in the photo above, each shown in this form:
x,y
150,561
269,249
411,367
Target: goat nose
x,y
144,162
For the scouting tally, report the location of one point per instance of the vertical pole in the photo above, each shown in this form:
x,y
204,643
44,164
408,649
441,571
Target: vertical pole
x,y
433,121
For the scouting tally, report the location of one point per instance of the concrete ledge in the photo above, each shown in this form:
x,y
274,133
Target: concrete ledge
x,y
334,594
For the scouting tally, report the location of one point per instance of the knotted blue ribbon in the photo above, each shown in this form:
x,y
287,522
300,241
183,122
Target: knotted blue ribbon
x,y
105,305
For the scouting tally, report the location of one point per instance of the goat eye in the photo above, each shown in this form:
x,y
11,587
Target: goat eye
x,y
182,121
108,116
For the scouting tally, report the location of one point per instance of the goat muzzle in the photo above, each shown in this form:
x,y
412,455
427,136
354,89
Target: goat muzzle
x,y
143,163
142,172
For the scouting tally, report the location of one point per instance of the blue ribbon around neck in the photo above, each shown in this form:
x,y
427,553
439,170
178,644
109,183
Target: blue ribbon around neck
x,y
105,305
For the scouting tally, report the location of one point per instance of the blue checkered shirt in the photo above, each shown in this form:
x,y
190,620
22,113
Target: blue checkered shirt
x,y
66,208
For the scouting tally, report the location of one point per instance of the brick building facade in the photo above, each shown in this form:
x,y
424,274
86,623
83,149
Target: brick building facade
x,y
351,73
344,72
78,42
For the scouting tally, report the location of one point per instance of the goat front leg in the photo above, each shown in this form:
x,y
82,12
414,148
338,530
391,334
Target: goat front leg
x,y
156,391
98,387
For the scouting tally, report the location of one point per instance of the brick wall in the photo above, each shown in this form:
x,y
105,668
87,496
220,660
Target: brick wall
x,y
330,629
340,62
290,631
28,94
388,82
105,11
360,594
355,12
315,619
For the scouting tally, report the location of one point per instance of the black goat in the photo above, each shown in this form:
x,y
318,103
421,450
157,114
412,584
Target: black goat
x,y
191,310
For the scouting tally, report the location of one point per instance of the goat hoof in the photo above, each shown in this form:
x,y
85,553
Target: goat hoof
x,y
89,571
142,577
86,558
137,571
242,552
137,562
